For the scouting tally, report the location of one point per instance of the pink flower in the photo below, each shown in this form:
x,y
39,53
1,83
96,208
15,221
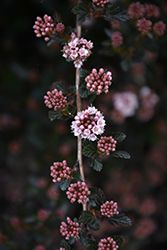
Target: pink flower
x,y
144,25
54,99
106,145
100,3
109,208
98,81
107,244
77,50
78,192
60,27
44,27
60,171
42,215
145,228
159,28
136,10
70,229
148,98
88,124
152,10
116,39
126,103
40,247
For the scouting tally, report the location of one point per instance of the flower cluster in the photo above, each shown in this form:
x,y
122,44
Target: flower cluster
x,y
60,171
151,10
100,3
77,50
46,27
55,99
144,25
159,28
106,145
116,39
88,124
70,229
136,10
109,208
125,103
107,243
98,81
79,192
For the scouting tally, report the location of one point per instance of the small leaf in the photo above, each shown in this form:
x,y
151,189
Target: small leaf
x,y
53,115
96,198
89,150
119,137
121,154
96,165
64,184
81,12
83,73
88,219
84,92
121,220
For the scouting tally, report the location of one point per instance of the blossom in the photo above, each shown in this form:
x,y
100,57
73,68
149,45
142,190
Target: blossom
x,y
88,124
116,39
60,171
107,244
98,81
100,3
151,10
148,98
55,99
77,50
126,103
144,25
136,10
106,145
109,208
70,229
79,192
159,28
46,27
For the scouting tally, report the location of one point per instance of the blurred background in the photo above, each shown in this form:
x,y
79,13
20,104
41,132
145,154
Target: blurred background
x,y
31,206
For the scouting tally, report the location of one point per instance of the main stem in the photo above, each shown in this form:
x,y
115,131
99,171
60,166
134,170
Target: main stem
x,y
78,101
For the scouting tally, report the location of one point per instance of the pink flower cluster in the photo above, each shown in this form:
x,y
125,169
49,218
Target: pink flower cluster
x,y
107,244
54,99
106,145
100,3
109,208
159,28
125,103
77,50
46,27
60,171
116,39
136,10
79,192
151,10
70,229
88,124
98,81
144,25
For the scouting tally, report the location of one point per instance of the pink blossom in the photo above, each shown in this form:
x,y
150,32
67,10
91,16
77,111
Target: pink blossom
x,y
70,229
109,209
42,214
159,28
106,145
144,25
152,10
136,10
126,103
107,244
77,50
88,124
98,81
116,39
44,27
60,171
148,98
79,192
60,27
145,228
55,99
40,247
100,3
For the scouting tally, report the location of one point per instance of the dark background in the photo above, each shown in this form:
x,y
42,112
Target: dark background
x,y
29,142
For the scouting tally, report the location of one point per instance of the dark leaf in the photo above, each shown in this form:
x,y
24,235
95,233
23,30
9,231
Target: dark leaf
x,y
81,12
58,86
88,219
64,184
121,154
53,115
84,92
89,150
96,198
65,245
119,137
83,73
121,220
96,165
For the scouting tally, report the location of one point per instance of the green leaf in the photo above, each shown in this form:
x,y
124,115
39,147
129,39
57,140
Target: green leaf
x,y
89,150
64,184
84,92
83,73
96,165
119,137
121,220
121,154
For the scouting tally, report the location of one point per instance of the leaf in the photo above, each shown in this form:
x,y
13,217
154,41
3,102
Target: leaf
x,y
64,184
121,220
84,92
83,73
114,12
97,198
88,219
121,154
96,165
81,12
119,137
53,115
89,150
65,245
